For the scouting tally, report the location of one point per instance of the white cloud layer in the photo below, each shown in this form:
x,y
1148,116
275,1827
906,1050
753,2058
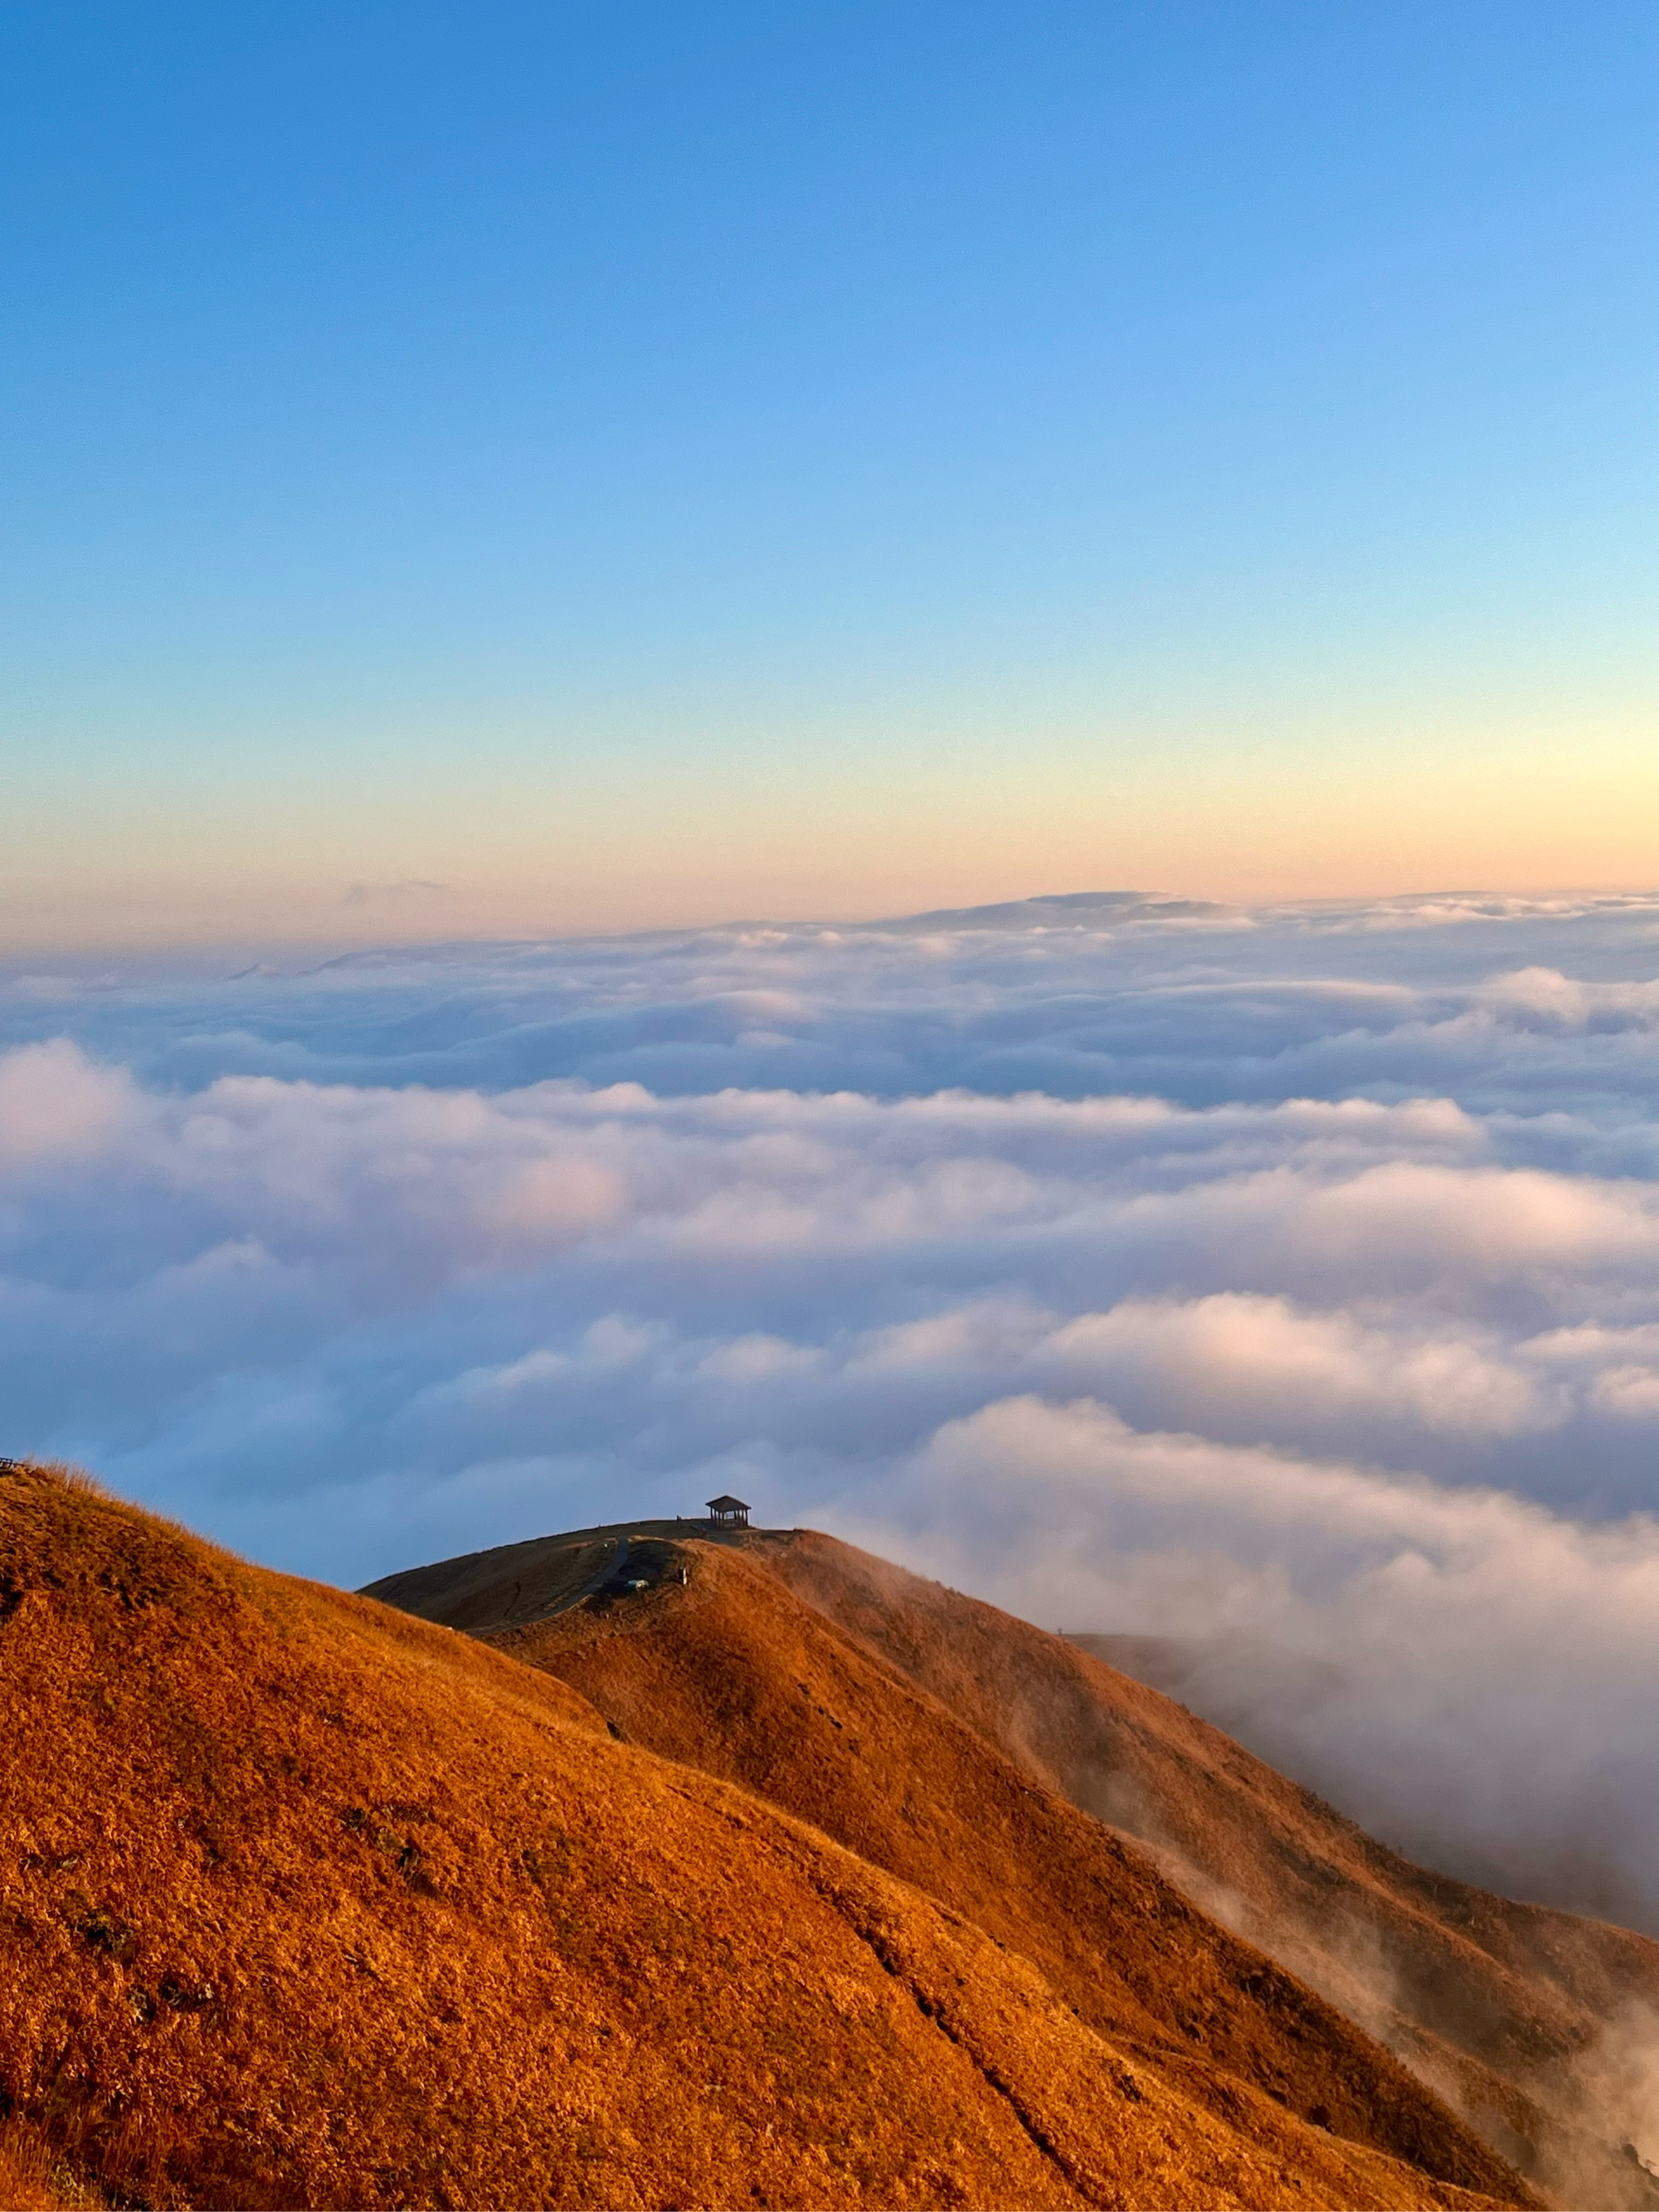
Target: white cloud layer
x,y
1462,1671
1288,1283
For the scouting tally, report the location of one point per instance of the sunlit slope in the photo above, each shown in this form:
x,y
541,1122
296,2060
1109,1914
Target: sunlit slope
x,y
1538,2027
307,1902
1542,2026
734,1674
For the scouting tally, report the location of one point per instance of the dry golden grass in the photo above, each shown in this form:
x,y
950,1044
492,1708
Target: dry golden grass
x,y
738,1676
36,2178
1504,2006
304,1902
1503,2009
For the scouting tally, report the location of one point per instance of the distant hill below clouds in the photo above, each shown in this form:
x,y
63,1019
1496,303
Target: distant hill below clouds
x,y
1063,910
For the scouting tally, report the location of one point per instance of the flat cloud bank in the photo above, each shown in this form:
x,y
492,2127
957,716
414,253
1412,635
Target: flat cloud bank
x,y
1287,1283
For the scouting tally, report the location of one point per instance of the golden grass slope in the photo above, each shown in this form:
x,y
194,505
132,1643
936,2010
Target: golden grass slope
x,y
733,1673
305,1902
1541,2029
1541,2026
36,2178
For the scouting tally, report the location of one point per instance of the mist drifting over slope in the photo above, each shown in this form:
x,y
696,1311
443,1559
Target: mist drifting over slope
x,y
1284,1281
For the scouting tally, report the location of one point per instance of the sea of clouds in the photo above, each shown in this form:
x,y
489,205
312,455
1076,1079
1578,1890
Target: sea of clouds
x,y
1283,1280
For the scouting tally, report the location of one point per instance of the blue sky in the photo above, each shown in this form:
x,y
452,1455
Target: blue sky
x,y
632,464
509,472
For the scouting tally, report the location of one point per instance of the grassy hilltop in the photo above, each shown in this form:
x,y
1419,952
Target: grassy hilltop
x,y
693,1895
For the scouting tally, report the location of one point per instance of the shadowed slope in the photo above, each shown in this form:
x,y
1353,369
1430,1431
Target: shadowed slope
x,y
307,1902
549,1579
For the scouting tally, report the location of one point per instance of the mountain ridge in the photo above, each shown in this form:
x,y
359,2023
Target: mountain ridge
x,y
306,1901
1510,2013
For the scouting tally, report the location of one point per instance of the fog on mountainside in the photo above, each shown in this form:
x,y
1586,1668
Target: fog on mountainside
x,y
1271,1280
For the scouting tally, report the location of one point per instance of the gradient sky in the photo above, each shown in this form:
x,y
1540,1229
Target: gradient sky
x,y
512,468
